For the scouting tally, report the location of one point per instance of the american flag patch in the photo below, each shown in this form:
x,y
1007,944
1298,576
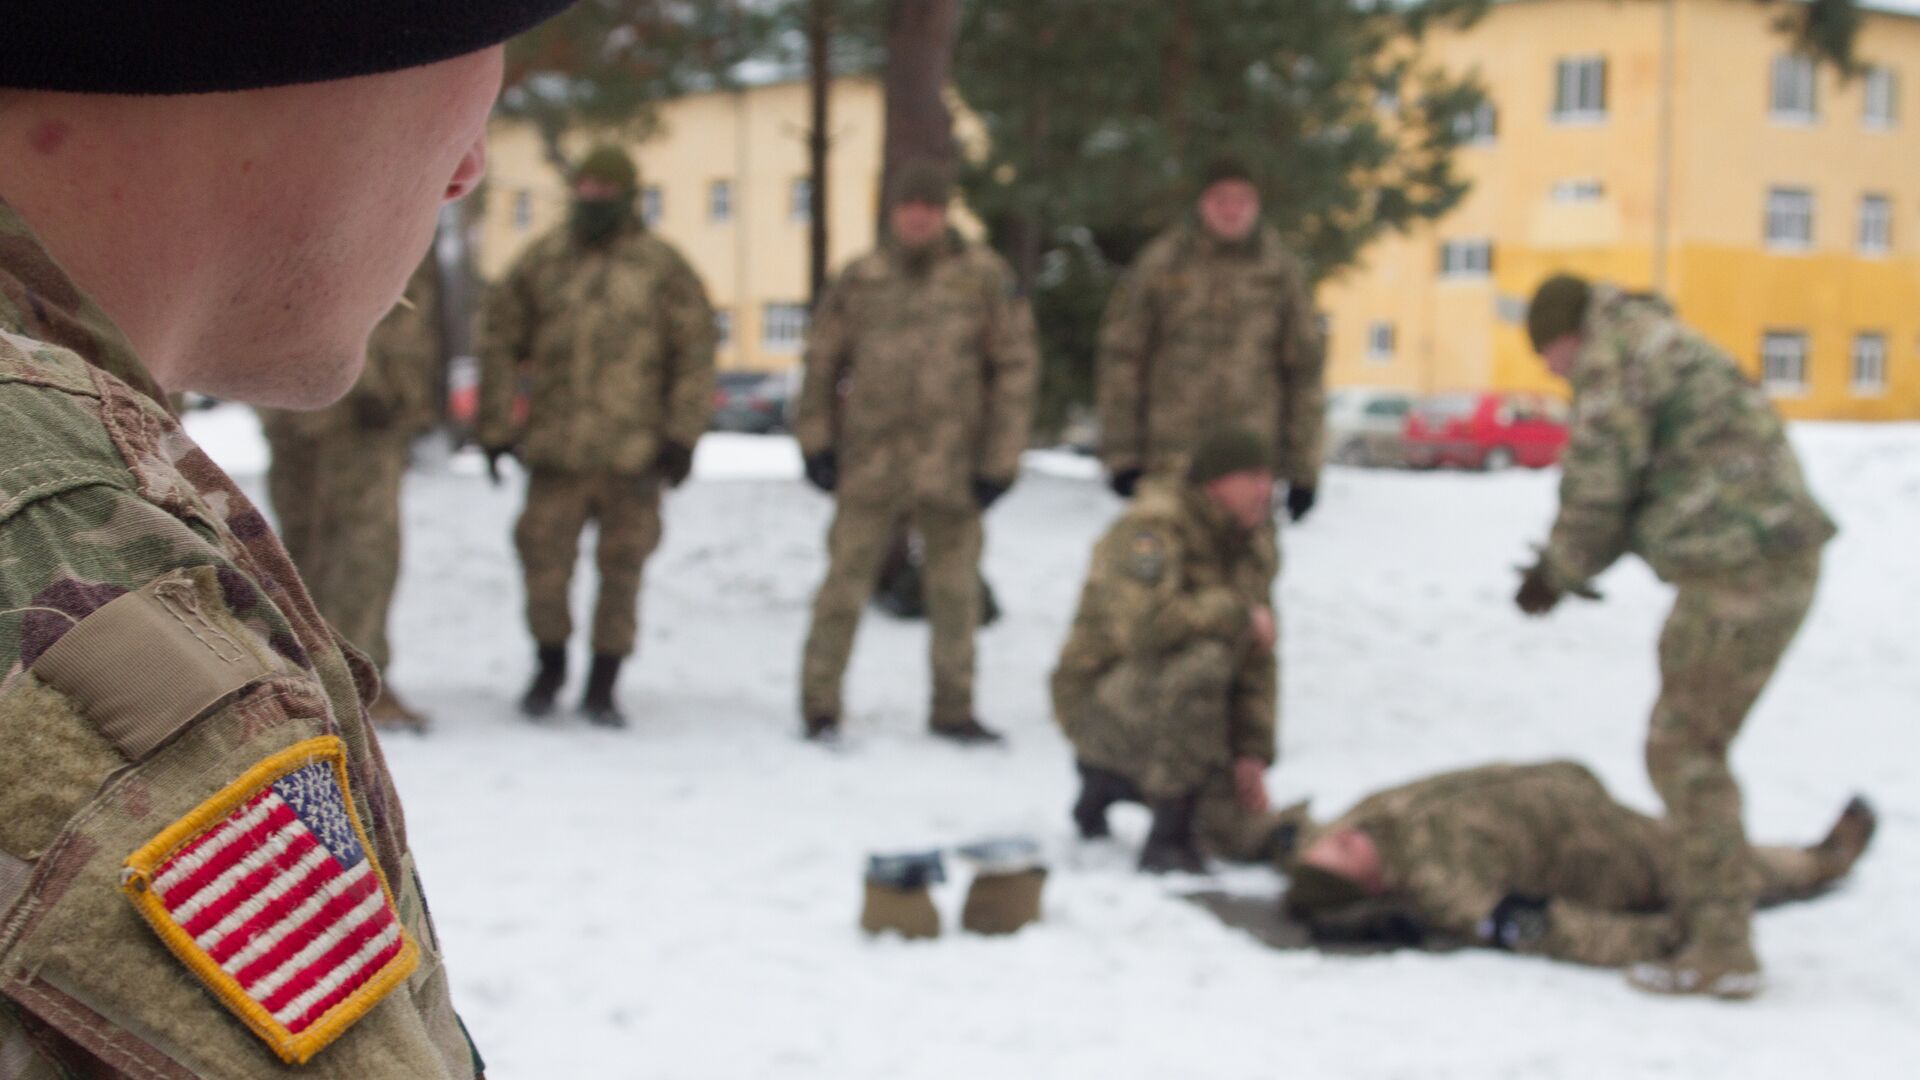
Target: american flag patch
x,y
269,893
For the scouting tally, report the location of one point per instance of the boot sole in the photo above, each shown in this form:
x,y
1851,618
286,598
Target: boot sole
x,y
1684,982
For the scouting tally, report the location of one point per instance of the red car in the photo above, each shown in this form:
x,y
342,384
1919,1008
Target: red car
x,y
1486,431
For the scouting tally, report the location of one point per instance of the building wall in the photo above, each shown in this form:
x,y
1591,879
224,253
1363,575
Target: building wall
x,y
1726,152
754,140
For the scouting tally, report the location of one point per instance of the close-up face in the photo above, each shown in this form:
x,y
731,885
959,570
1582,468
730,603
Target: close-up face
x,y
1230,209
1347,852
1246,496
1560,354
917,224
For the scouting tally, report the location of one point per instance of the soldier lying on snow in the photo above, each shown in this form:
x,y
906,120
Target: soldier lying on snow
x,y
1535,859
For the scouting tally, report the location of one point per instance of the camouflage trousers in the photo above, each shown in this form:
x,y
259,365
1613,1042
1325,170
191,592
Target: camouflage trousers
x,y
857,545
337,498
1720,646
626,507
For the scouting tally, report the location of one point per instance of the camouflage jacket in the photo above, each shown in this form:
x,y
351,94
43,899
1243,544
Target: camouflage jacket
x,y
920,380
1453,846
1200,335
398,390
614,344
1674,454
156,651
1173,571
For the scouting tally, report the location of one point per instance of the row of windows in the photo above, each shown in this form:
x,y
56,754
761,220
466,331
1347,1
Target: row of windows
x,y
783,327
1790,220
720,203
1795,93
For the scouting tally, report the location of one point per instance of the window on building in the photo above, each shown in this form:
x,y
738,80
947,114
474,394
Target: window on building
x,y
1466,258
800,200
1476,128
1580,89
1881,88
720,201
652,204
522,210
1790,218
1793,89
722,328
1876,224
1783,362
1380,341
1869,365
784,327
1584,189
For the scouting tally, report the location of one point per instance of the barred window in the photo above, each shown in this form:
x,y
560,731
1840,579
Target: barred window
x,y
1580,89
1793,89
1881,89
1380,341
1869,365
652,204
1783,362
1876,224
784,327
1790,218
720,201
1466,258
723,328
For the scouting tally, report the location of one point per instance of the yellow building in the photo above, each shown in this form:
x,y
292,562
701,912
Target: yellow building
x,y
1677,145
724,179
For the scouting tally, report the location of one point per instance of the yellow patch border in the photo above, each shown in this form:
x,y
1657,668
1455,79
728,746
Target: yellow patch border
x,y
136,881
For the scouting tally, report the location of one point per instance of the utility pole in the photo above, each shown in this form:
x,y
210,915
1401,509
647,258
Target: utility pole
x,y
819,41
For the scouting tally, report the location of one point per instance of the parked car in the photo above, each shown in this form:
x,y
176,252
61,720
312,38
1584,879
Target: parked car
x,y
1367,427
1486,431
751,401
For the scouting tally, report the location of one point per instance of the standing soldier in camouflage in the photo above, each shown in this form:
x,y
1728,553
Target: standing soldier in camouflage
x,y
920,377
1538,859
225,204
335,480
1213,326
611,332
1165,688
1677,456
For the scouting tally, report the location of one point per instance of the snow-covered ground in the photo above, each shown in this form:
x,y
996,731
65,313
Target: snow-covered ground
x,y
679,900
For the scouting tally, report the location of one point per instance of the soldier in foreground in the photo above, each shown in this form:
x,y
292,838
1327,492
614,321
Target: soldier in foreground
x,y
920,378
1165,688
335,480
1537,859
612,331
1677,456
179,213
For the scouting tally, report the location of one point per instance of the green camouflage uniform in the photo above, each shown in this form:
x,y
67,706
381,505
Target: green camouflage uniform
x,y
102,496
1161,680
1677,456
1453,846
614,343
336,472
920,378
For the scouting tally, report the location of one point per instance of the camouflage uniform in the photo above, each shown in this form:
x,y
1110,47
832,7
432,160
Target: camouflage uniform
x,y
1203,335
106,506
1453,846
1161,681
920,379
336,472
614,343
1675,455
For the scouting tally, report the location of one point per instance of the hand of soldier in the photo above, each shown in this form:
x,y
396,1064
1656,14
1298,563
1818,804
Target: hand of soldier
x,y
1125,482
1300,499
987,492
1536,597
823,470
1261,624
1250,784
1515,923
494,454
674,462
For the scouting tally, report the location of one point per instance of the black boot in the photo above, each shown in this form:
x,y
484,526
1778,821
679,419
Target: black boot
x,y
967,732
538,700
1170,847
1099,789
821,727
597,704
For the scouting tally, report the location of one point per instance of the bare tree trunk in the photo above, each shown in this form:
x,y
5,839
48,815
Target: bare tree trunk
x,y
920,38
819,37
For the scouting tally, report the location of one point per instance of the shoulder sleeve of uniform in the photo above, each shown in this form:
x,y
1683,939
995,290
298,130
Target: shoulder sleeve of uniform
x,y
51,439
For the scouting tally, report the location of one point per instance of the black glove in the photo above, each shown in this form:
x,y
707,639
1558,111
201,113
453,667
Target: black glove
x,y
373,414
1300,501
823,470
674,462
1124,482
1516,923
987,492
494,454
1536,597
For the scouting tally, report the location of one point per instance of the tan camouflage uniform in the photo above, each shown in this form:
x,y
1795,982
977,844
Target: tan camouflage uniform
x,y
1161,680
921,380
614,343
102,495
1677,456
336,472
1453,846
